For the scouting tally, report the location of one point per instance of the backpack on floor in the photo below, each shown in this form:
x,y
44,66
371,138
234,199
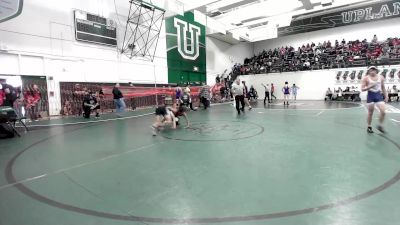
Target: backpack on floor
x,y
6,131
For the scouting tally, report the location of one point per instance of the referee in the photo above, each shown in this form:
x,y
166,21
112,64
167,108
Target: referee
x,y
238,93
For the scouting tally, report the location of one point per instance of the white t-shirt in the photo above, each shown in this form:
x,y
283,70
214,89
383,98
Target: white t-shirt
x,y
237,89
377,85
187,90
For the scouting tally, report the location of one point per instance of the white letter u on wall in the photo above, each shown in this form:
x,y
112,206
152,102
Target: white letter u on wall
x,y
193,52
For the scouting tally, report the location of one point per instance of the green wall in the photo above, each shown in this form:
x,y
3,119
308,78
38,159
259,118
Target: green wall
x,y
188,64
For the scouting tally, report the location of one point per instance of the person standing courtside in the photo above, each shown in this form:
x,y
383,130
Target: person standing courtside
x,y
246,95
294,92
286,93
90,104
205,95
272,91
118,100
186,97
238,93
267,90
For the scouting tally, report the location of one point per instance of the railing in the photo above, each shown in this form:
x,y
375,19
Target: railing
x,y
134,97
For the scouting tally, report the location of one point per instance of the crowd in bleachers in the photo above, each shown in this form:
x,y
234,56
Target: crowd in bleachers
x,y
325,55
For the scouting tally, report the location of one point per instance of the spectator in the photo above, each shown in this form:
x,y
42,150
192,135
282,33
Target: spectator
x,y
67,109
2,95
393,93
32,98
318,52
186,98
375,39
272,91
118,100
253,93
217,79
306,65
294,91
19,102
328,94
222,92
90,104
9,94
101,94
246,95
267,91
329,44
229,77
321,56
205,95
178,93
38,100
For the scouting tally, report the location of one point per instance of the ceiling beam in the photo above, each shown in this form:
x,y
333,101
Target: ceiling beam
x,y
307,4
198,4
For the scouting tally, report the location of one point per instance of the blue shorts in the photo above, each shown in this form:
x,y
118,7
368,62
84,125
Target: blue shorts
x,y
374,97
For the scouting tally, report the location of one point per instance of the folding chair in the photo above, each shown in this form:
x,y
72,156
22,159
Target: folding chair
x,y
9,116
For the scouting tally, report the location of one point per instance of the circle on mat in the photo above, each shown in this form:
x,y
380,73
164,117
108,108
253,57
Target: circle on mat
x,y
328,172
215,131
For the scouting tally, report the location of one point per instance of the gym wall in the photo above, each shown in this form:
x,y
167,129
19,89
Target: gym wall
x,y
383,29
41,42
313,84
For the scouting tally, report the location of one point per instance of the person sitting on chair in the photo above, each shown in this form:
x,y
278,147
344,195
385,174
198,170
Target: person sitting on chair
x,y
67,109
395,92
90,104
10,94
328,94
2,95
253,93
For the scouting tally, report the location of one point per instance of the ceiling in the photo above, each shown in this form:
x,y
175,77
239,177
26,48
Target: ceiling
x,y
241,17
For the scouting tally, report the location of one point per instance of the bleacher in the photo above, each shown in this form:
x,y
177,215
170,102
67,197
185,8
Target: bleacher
x,y
322,56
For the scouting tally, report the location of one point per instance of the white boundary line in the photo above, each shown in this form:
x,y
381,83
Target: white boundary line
x,y
95,161
318,114
79,165
142,147
396,121
365,108
215,104
87,122
104,120
266,109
